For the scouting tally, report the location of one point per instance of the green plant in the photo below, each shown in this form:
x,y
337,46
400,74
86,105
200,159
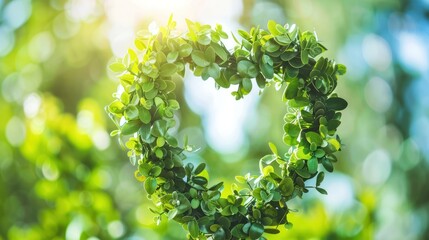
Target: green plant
x,y
282,56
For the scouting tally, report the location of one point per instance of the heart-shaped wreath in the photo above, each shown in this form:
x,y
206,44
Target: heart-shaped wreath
x,y
283,56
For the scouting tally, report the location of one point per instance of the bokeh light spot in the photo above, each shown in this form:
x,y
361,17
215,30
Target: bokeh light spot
x,y
41,46
413,52
17,13
7,40
15,131
377,167
116,229
32,105
376,52
378,94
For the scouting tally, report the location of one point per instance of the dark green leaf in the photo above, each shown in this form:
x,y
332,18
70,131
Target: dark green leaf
x,y
320,178
286,186
303,173
272,230
321,190
336,103
288,55
260,80
327,164
199,168
256,230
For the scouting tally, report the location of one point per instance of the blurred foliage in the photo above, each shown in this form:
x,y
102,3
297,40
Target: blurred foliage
x,y
61,177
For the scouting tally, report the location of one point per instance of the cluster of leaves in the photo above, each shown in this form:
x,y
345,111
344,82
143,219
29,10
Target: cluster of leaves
x,y
282,56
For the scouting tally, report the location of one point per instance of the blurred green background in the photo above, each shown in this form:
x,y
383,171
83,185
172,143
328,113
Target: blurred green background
x,y
63,177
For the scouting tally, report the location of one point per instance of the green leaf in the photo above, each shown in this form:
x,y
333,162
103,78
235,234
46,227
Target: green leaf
x,y
195,203
130,127
173,104
204,40
286,186
292,130
321,190
272,28
168,69
172,213
117,67
199,168
291,90
185,50
247,69
288,225
237,231
336,103
116,107
320,178
288,55
172,56
210,54
313,137
193,228
272,230
150,185
304,56
159,128
273,148
145,134
327,164
144,169
213,70
303,173
220,51
247,85
240,179
341,69
199,58
333,124
222,81
155,171
312,165
256,230
260,80
131,112
148,86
